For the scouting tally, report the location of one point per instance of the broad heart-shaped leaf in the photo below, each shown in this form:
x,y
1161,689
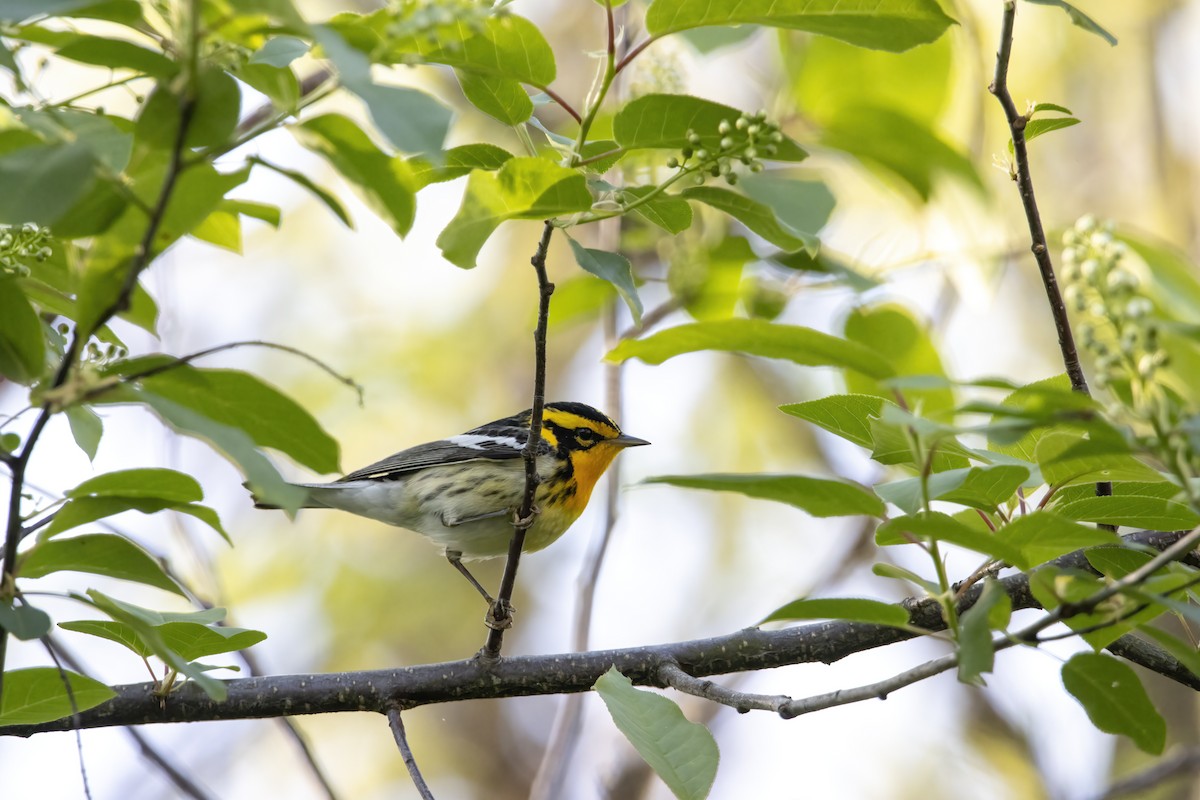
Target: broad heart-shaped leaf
x,y
846,415
1115,700
669,212
385,183
524,188
99,554
36,695
853,609
506,46
940,527
663,121
754,215
984,488
893,25
976,652
614,268
412,121
905,341
1132,511
682,753
754,337
819,497
166,484
503,99
22,344
911,152
1043,535
456,162
1079,19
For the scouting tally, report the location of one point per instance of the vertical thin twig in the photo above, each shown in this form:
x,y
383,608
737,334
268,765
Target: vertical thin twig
x,y
397,725
500,615
1024,180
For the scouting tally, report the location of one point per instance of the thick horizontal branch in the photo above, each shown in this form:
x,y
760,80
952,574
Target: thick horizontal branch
x,y
751,649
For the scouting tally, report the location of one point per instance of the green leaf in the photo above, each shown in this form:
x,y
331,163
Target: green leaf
x,y
1115,700
119,632
754,215
506,46
22,345
669,212
264,212
911,152
893,25
985,488
86,428
213,117
1043,535
798,205
943,528
503,99
524,188
243,401
852,609
1066,458
231,440
456,162
98,554
754,337
222,229
39,694
895,333
682,753
24,621
280,51
412,121
614,268
818,497
279,85
119,54
324,195
976,653
1132,511
385,183
1038,402
1079,19
1116,561
846,415
902,574
706,40
82,510
662,121
165,484
43,182
194,640
1036,127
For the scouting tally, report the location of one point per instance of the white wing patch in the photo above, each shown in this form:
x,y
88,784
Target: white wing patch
x,y
475,441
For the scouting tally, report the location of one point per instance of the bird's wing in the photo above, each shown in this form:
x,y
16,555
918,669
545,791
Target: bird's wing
x,y
487,443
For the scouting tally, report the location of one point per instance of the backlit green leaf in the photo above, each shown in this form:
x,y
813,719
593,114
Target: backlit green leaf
x,y
943,528
503,99
754,215
1114,699
682,753
1079,19
1043,535
976,653
754,337
99,554
663,121
1132,511
819,497
22,345
852,609
39,694
614,268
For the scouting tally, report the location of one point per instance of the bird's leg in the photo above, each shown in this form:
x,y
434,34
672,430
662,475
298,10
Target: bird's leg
x,y
455,559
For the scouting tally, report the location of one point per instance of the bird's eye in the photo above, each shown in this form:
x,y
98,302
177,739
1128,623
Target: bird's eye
x,y
585,435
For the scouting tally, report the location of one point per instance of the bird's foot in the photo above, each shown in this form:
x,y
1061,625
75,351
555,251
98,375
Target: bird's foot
x,y
499,615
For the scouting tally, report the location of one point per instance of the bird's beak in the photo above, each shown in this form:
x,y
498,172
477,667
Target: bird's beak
x,y
625,440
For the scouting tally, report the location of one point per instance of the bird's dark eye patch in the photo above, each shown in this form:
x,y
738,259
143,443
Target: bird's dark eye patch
x,y
586,436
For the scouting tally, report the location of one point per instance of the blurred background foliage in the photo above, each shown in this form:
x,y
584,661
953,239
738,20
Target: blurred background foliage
x,y
914,220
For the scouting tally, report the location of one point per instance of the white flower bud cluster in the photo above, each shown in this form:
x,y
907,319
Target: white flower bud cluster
x,y
21,244
744,140
1119,328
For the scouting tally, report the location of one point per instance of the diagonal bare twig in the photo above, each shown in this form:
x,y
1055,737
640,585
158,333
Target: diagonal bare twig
x,y
410,762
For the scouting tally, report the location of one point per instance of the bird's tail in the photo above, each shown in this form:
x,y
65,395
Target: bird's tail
x,y
309,502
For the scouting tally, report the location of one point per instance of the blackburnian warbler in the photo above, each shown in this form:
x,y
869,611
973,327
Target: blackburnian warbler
x,y
462,493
